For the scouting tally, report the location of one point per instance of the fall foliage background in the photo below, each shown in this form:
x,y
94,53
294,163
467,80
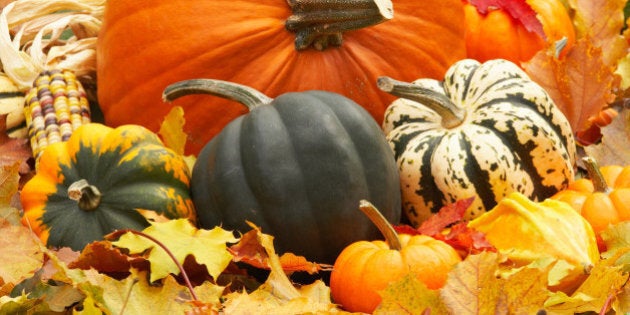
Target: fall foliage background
x,y
176,268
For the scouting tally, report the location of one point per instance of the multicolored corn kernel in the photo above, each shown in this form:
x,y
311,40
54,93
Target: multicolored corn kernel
x,y
55,106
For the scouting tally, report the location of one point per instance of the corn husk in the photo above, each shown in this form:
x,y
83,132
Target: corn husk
x,y
39,35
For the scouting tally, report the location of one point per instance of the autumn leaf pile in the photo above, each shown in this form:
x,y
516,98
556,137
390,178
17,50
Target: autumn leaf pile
x,y
177,268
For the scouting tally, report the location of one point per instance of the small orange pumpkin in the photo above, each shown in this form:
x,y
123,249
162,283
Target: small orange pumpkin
x,y
604,199
496,34
364,268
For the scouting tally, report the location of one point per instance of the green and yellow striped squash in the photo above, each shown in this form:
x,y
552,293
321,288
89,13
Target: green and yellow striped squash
x,y
485,131
103,179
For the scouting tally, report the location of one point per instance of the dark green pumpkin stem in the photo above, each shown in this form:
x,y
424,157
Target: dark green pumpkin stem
x,y
245,95
87,196
452,115
320,23
391,237
595,174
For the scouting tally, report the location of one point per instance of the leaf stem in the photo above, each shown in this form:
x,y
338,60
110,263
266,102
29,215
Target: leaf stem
x,y
118,233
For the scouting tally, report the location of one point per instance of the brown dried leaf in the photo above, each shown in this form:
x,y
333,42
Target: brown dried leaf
x,y
614,148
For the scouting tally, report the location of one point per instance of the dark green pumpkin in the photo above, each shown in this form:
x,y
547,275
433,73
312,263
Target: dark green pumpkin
x,y
296,166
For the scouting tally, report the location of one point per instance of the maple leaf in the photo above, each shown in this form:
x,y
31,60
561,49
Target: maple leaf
x,y
136,295
604,280
604,32
14,150
614,148
249,250
411,296
9,183
472,286
448,225
182,239
448,214
173,134
20,252
482,284
104,257
580,84
278,295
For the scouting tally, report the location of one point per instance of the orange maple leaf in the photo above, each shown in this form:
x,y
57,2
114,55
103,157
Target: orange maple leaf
x,y
580,84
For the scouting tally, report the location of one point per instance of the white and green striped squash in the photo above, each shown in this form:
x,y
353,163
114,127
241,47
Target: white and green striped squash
x,y
485,131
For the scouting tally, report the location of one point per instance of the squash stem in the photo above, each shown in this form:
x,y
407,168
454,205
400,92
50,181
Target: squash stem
x,y
87,196
320,23
595,174
245,95
391,237
452,115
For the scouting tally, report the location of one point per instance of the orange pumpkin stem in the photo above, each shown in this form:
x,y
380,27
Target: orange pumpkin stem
x,y
452,115
595,174
391,237
320,23
87,196
245,95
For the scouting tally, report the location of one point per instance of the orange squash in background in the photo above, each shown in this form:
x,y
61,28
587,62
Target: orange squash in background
x,y
496,34
603,198
146,45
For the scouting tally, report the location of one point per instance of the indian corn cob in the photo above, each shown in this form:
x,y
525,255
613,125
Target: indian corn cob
x,y
55,106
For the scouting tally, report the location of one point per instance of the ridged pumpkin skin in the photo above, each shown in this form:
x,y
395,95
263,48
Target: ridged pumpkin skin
x,y
513,138
297,168
365,268
143,46
497,35
601,208
138,178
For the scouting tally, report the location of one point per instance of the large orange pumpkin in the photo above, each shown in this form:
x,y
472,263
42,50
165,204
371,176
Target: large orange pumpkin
x,y
496,34
146,45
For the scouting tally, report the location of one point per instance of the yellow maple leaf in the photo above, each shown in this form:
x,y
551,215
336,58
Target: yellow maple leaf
x,y
410,295
209,247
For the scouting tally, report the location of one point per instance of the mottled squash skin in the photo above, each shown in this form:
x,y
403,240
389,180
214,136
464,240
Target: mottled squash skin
x,y
137,176
513,138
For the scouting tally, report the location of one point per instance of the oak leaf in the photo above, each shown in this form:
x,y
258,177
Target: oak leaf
x,y
209,247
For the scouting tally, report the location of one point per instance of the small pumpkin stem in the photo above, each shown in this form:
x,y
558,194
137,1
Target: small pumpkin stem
x,y
452,115
595,174
381,223
87,196
245,95
320,23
